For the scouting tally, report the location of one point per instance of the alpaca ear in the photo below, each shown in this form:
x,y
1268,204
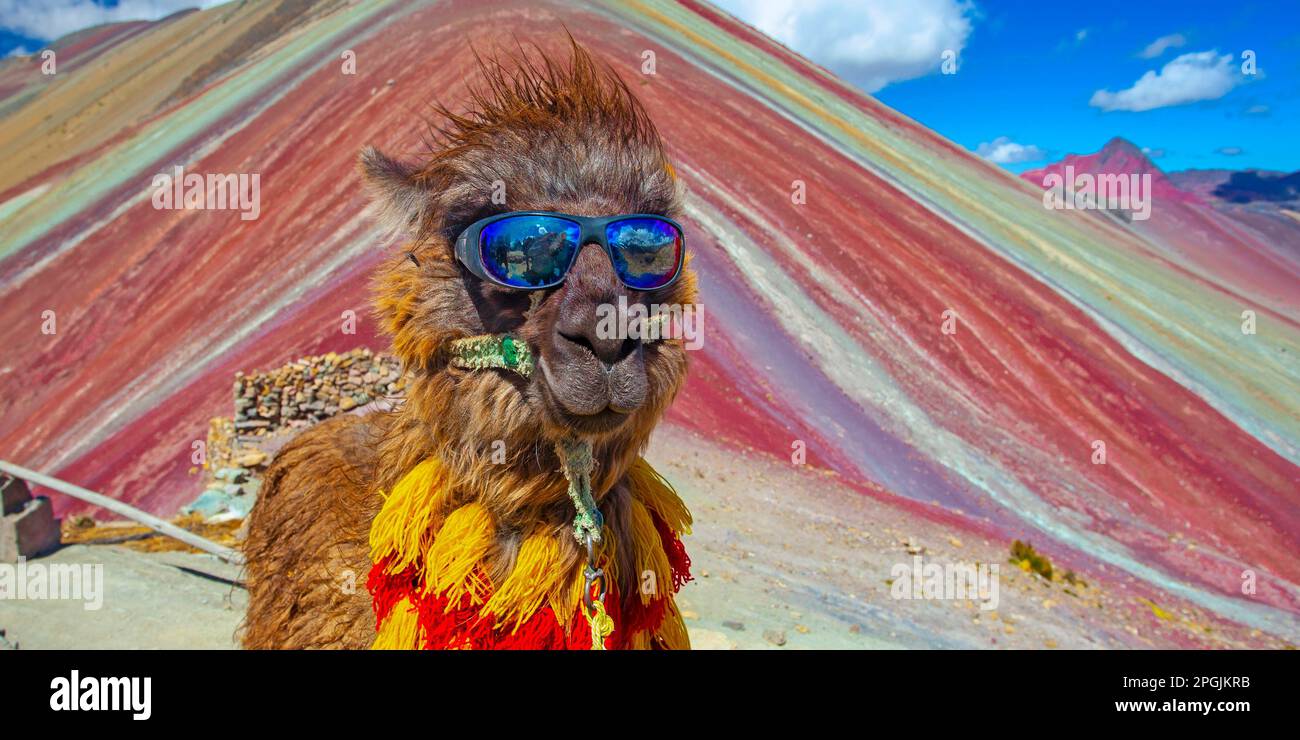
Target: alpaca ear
x,y
403,203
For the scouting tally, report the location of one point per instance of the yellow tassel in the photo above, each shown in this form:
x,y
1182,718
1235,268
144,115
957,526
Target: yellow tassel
x,y
539,576
564,602
401,528
607,555
653,571
658,495
401,630
673,630
450,563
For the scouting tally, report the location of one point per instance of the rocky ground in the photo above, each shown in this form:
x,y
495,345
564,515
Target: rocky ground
x,y
785,556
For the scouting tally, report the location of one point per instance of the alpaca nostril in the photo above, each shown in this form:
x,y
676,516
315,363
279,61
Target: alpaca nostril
x,y
629,346
579,340
607,351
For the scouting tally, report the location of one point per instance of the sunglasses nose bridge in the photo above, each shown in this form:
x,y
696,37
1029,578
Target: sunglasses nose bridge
x,y
595,267
589,234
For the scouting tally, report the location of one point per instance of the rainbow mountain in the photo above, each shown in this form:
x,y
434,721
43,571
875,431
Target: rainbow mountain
x,y
920,321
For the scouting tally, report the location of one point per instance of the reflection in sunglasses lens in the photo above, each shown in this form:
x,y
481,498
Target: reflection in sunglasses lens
x,y
529,251
647,251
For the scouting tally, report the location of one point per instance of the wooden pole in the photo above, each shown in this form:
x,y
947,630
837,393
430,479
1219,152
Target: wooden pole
x,y
161,526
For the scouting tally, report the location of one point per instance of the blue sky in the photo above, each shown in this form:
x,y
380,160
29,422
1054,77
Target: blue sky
x,y
1029,73
1034,80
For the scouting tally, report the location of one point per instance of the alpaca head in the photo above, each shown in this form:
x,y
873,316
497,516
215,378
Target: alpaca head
x,y
540,136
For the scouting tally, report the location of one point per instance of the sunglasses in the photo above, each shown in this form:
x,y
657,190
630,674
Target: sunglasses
x,y
533,250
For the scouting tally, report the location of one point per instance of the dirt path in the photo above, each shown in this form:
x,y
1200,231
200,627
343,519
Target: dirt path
x,y
149,600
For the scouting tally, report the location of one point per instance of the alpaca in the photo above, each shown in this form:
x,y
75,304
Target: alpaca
x,y
447,521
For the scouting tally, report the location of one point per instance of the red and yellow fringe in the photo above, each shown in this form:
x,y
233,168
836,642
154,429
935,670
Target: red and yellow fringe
x,y
429,590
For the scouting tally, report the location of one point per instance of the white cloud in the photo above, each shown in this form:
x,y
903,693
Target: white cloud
x,y
1080,35
869,44
1191,77
1003,150
18,51
1162,44
50,19
1230,151
1153,153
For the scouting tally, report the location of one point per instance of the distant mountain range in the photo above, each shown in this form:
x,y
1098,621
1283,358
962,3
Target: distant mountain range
x,y
1250,186
1219,186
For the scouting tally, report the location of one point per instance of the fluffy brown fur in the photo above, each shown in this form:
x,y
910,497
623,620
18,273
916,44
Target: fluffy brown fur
x,y
560,137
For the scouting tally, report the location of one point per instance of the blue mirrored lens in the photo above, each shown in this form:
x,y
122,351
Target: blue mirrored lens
x,y
529,251
647,251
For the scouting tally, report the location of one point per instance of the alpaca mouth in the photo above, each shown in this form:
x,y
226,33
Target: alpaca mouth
x,y
590,421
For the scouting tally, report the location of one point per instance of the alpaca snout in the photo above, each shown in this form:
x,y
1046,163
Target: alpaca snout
x,y
586,382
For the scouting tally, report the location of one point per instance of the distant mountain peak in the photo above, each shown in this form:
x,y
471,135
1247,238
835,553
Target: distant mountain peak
x,y
1118,157
1119,144
1122,155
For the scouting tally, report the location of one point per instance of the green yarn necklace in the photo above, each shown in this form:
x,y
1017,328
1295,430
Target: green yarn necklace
x,y
493,350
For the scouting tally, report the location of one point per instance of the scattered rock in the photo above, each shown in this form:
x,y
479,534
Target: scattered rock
x,y
253,459
14,494
702,639
231,475
732,625
776,637
209,503
29,531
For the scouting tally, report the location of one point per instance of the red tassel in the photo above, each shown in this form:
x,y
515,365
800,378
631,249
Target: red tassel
x,y
387,589
678,560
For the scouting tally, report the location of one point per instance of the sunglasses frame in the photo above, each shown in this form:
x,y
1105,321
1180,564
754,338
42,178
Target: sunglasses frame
x,y
591,230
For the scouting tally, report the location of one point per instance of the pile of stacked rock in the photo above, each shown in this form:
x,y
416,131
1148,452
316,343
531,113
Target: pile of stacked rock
x,y
271,407
313,389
